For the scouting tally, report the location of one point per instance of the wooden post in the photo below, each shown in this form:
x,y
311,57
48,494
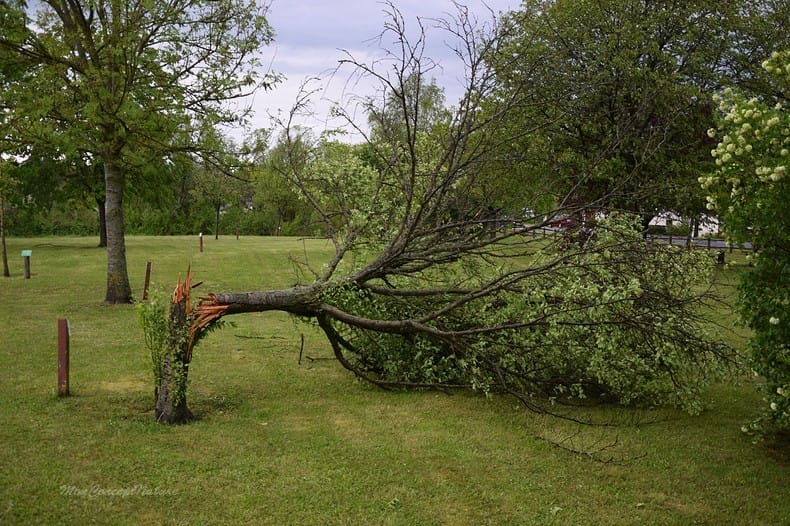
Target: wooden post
x,y
26,260
147,280
63,357
237,233
201,241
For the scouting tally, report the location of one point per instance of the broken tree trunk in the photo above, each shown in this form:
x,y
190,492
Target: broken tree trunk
x,y
186,326
297,300
171,391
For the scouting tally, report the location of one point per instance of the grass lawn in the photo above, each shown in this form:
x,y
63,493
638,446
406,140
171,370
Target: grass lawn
x,y
289,439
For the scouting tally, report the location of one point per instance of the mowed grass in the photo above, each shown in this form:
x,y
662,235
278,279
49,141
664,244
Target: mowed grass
x,y
286,436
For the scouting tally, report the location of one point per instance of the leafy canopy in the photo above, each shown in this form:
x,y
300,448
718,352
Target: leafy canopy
x,y
620,94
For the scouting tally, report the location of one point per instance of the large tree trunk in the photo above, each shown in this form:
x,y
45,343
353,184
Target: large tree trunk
x,y
102,222
118,288
297,300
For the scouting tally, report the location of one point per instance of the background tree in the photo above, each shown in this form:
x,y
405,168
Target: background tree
x,y
624,86
418,106
277,206
6,182
750,190
52,185
423,291
218,182
11,71
167,205
126,81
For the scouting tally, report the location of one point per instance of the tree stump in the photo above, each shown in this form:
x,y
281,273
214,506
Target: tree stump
x,y
171,399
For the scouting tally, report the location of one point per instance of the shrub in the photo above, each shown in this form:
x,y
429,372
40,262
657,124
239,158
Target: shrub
x,y
750,190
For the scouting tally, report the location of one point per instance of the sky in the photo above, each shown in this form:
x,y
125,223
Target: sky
x,y
312,35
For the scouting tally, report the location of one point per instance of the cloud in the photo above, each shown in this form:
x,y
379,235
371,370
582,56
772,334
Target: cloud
x,y
311,36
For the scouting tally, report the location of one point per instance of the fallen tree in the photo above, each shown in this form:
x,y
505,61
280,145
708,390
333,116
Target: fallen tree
x,y
430,287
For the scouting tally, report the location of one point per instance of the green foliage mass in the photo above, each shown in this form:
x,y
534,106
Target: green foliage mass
x,y
613,321
154,318
750,190
620,94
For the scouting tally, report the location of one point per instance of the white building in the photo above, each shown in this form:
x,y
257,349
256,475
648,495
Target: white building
x,y
707,224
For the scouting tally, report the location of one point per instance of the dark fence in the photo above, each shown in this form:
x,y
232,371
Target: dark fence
x,y
700,242
705,243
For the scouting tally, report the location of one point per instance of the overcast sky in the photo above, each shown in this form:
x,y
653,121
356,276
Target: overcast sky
x,y
310,34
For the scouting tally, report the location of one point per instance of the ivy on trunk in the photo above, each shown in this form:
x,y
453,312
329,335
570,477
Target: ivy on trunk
x,y
171,333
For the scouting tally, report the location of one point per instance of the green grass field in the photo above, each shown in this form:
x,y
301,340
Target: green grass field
x,y
286,436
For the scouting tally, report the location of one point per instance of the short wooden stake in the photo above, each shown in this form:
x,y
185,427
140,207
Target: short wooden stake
x,y
147,280
201,241
26,261
63,357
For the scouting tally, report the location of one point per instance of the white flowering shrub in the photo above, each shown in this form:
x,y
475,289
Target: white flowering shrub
x,y
750,191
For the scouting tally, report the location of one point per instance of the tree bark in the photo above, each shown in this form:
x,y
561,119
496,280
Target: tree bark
x,y
171,393
171,401
216,222
298,300
102,222
118,288
6,271
646,219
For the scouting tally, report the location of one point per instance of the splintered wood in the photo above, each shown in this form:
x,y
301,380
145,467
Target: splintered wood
x,y
207,312
200,318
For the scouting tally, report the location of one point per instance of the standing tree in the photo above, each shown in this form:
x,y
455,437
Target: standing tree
x,y
217,179
750,190
5,184
424,291
626,87
11,72
128,81
276,203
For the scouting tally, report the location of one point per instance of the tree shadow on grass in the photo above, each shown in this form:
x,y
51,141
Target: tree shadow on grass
x,y
94,246
778,448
